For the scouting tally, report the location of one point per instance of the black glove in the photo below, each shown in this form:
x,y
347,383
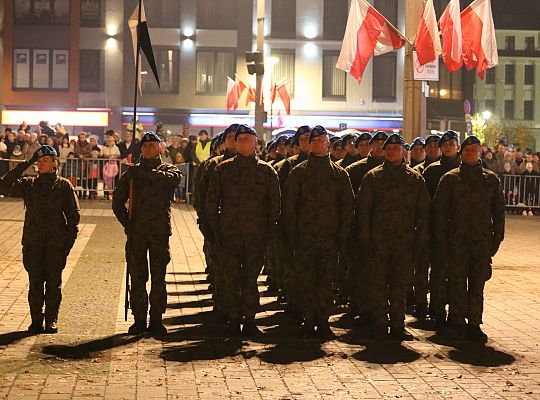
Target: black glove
x,y
69,245
34,157
494,248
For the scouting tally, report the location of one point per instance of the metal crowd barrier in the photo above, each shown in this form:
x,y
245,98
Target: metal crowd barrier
x,y
98,177
521,191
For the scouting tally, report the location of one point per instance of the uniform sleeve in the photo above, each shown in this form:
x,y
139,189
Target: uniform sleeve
x,y
364,205
441,208
497,211
213,201
422,214
202,191
346,212
274,199
289,205
197,181
12,184
169,176
283,174
120,198
431,183
71,212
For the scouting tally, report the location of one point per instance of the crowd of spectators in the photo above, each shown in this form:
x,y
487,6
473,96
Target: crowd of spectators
x,y
520,176
85,159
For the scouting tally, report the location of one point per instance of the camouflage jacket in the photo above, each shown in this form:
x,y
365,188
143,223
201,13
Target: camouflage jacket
x,y
153,188
52,207
347,160
287,166
434,172
469,206
393,204
358,169
243,198
420,168
318,201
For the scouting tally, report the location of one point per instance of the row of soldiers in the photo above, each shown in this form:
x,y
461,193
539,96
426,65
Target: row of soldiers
x,y
369,229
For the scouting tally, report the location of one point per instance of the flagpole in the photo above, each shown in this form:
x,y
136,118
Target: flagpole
x,y
137,64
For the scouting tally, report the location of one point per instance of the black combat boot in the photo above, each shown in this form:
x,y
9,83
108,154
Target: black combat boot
x,y
51,327
399,333
323,329
139,327
156,326
36,326
250,328
475,333
234,327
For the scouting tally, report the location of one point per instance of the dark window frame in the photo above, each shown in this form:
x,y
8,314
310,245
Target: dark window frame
x,y
510,78
325,83
101,83
528,113
33,16
529,43
529,74
280,13
383,97
215,51
280,51
98,22
31,88
216,20
154,89
509,42
333,28
509,112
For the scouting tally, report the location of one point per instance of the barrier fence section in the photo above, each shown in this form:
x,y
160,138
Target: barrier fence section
x,y
96,177
521,191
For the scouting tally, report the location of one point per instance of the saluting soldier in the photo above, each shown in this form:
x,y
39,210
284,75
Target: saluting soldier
x,y
315,222
469,225
148,230
242,207
49,232
391,221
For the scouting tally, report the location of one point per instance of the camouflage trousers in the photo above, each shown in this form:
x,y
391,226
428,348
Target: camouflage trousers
x,y
44,265
438,285
210,258
236,288
391,274
419,289
359,278
314,269
142,249
469,268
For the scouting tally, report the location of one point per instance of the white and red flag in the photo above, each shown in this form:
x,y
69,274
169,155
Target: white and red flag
x,y
367,33
280,88
232,95
479,42
428,43
452,45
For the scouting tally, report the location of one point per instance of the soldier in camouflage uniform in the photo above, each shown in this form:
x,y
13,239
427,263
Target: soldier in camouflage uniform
x,y
358,169
433,153
418,151
450,159
391,221
271,152
362,144
315,222
469,226
148,230
351,152
49,232
242,207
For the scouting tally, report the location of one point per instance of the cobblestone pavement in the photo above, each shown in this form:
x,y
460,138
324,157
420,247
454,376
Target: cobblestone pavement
x,y
92,356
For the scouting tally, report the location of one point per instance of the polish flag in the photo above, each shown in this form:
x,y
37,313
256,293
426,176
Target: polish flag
x,y
452,50
250,96
273,93
232,95
285,96
240,86
367,32
428,43
479,42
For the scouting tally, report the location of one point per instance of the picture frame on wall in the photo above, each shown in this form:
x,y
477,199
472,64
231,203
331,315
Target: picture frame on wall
x,y
40,70
21,69
91,12
60,69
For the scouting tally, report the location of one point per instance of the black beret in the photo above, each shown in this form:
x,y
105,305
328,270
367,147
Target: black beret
x,y
380,135
337,143
347,138
150,137
317,131
299,132
271,145
231,129
394,138
418,141
364,136
245,129
432,139
470,140
46,150
447,136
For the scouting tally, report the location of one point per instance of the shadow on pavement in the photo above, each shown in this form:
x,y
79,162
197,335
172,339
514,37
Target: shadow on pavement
x,y
209,349
13,337
291,351
386,352
91,349
192,304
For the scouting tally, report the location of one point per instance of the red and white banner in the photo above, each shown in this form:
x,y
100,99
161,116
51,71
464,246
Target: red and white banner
x,y
367,32
479,42
234,92
452,46
428,43
280,88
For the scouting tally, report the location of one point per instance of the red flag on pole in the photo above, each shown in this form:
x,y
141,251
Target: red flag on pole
x,y
428,43
285,96
232,95
367,33
452,50
479,42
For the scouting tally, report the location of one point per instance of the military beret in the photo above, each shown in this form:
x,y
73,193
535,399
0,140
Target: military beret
x,y
347,138
447,136
245,129
216,140
46,150
336,143
470,140
289,141
150,137
282,138
317,131
271,145
418,141
299,132
231,129
394,138
363,137
407,146
432,139
380,135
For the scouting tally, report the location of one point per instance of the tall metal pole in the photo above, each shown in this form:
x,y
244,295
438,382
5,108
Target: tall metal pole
x,y
137,61
414,101
259,102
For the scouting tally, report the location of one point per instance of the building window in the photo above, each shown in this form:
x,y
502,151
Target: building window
x,y
509,109
334,80
284,69
41,12
91,13
510,74
168,66
163,13
528,110
384,77
529,74
490,76
284,19
510,43
213,68
529,43
40,69
388,8
90,71
490,105
216,14
449,86
335,19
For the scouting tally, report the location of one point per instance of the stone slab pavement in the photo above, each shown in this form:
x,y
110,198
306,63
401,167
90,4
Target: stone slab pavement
x,y
93,357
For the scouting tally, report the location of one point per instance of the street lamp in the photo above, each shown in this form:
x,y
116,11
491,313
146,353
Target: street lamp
x,y
486,114
272,61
